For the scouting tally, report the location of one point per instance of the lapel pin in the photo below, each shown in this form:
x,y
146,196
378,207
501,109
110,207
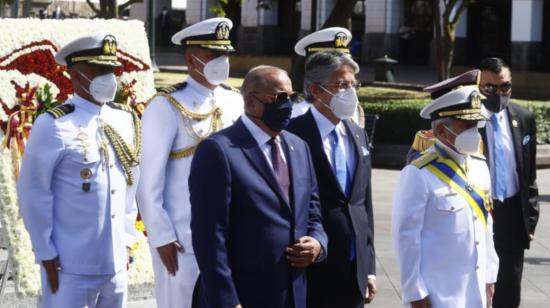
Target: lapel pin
x,y
356,136
291,148
514,123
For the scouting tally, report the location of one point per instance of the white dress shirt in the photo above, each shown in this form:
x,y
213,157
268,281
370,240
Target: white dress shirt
x,y
512,184
326,127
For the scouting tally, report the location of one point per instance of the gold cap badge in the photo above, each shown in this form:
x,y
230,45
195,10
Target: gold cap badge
x,y
341,40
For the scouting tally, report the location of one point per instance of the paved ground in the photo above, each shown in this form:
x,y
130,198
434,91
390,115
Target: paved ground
x,y
536,279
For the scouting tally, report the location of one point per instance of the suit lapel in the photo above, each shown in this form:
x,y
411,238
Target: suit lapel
x,y
356,145
254,154
483,133
516,129
292,161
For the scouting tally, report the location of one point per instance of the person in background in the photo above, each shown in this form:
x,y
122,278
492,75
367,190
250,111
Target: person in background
x,y
341,156
442,229
175,121
510,144
255,211
78,180
335,38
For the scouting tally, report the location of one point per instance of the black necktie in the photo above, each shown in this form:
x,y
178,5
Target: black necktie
x,y
279,166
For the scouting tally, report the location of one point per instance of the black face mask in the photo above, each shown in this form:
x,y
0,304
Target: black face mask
x,y
496,103
276,114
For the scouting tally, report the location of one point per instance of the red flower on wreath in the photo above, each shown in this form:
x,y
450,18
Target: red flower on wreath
x,y
38,58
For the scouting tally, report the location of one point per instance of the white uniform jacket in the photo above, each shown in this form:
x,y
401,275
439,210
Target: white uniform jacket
x,y
443,250
88,228
163,194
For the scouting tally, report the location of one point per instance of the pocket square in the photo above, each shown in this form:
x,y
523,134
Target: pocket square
x,y
526,139
365,151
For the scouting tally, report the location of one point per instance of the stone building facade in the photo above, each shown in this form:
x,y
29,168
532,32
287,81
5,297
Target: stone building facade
x,y
515,30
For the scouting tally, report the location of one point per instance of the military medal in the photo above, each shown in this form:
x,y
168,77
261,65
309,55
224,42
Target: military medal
x,y
86,174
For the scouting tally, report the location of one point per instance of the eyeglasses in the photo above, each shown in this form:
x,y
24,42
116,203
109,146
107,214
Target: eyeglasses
x,y
342,85
491,89
280,97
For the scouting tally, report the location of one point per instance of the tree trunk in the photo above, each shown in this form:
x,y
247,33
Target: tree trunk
x,y
340,15
14,9
439,50
449,39
27,6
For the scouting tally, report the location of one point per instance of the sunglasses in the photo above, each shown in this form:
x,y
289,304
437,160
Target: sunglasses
x,y
491,89
281,97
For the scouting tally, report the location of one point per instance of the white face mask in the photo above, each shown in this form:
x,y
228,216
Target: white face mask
x,y
216,70
102,88
468,141
344,103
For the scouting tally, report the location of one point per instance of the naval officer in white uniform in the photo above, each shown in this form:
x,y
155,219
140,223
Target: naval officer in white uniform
x,y
174,123
335,38
77,183
442,225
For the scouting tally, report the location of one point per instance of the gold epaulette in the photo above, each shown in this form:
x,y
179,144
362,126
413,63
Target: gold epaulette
x,y
424,159
173,88
62,110
423,140
230,88
122,107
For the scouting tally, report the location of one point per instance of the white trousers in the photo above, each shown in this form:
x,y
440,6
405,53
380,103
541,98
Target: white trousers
x,y
175,291
85,291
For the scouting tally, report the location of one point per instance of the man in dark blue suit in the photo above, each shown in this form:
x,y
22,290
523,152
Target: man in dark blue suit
x,y
255,217
341,155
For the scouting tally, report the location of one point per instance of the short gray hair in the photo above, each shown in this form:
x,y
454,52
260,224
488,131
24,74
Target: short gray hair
x,y
321,65
257,78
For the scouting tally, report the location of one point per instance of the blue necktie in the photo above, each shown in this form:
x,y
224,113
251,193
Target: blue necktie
x,y
339,163
498,159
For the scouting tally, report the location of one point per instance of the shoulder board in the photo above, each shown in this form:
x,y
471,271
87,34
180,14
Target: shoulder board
x,y
173,88
478,156
424,159
423,140
230,88
59,111
122,107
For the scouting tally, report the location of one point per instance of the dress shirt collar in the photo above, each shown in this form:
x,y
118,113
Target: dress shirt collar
x,y
457,157
199,88
325,125
85,104
259,135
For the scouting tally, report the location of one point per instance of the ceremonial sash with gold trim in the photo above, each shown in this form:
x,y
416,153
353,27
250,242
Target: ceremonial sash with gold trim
x,y
448,171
